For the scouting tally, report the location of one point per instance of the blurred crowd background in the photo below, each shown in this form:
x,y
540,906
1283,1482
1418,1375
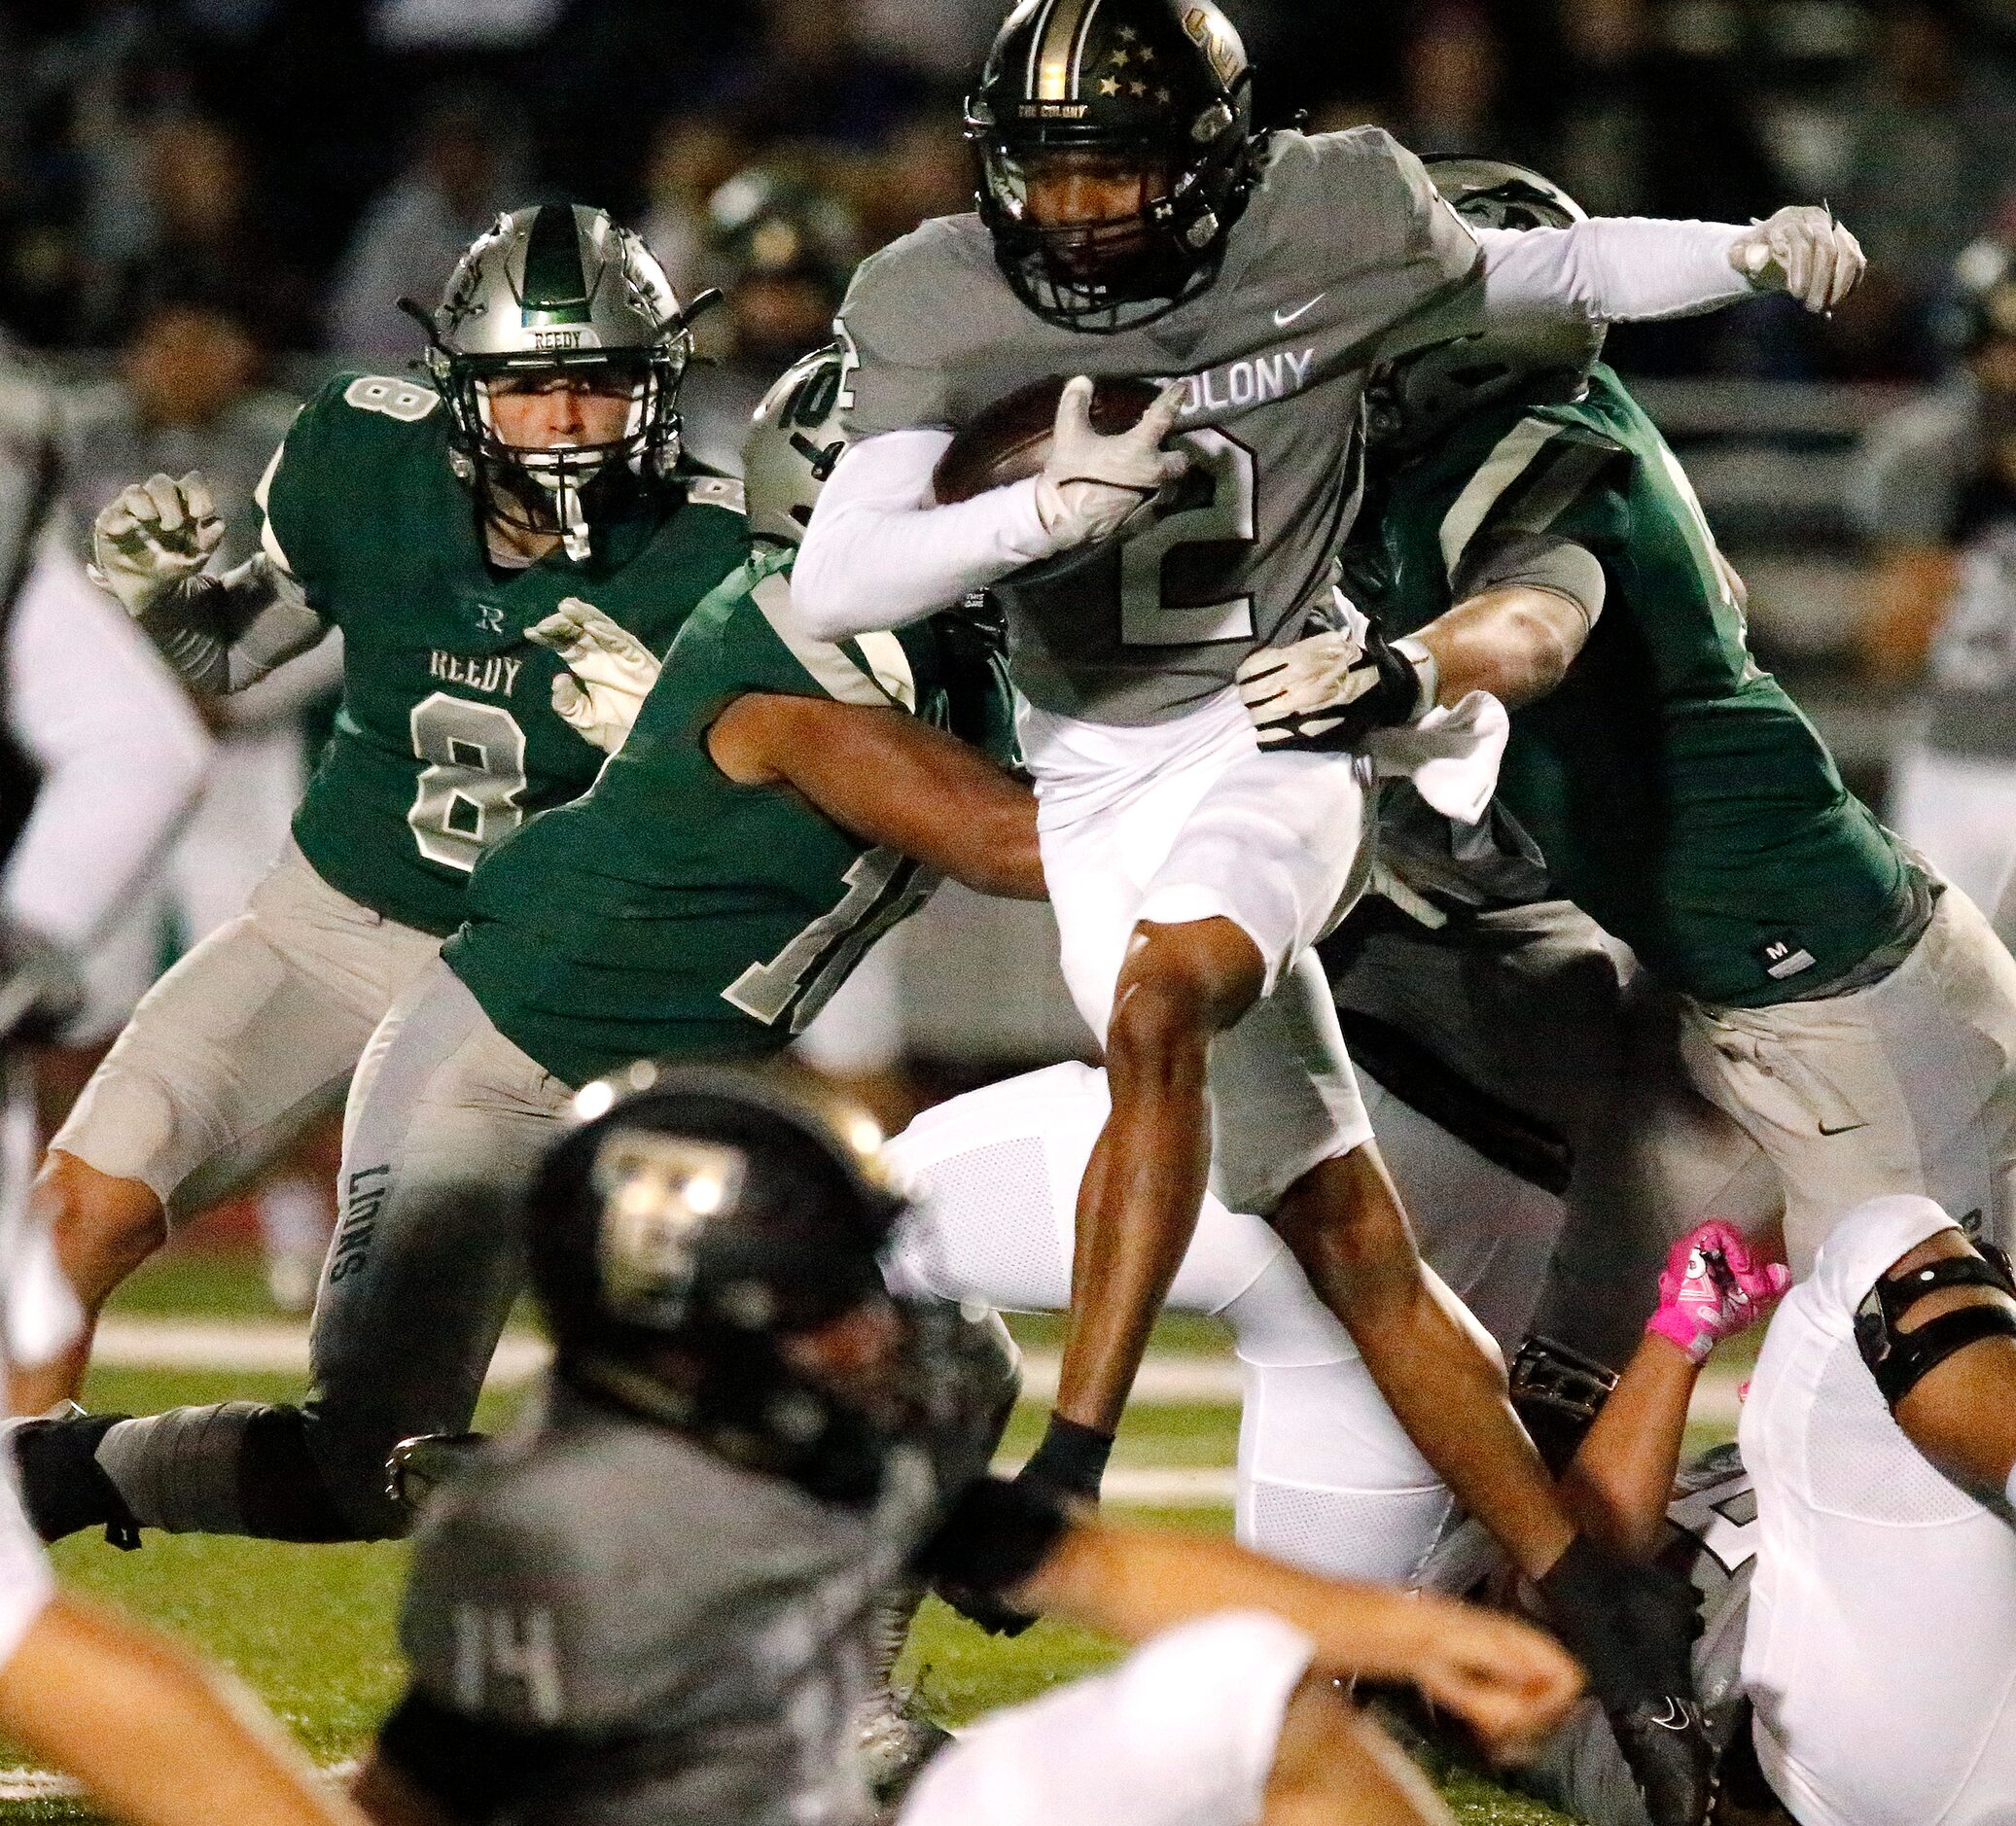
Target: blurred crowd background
x,y
207,205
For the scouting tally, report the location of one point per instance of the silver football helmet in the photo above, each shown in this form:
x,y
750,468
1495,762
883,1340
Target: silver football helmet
x,y
1411,402
559,286
795,439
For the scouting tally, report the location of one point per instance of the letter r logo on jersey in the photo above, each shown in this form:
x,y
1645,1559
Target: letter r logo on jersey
x,y
489,618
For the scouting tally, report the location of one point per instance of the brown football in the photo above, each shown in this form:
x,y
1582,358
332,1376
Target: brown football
x,y
1012,438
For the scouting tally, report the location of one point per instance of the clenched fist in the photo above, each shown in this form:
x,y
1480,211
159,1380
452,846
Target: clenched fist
x,y
156,533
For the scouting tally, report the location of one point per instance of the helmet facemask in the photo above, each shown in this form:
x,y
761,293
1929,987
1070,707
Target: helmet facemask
x,y
553,488
1109,272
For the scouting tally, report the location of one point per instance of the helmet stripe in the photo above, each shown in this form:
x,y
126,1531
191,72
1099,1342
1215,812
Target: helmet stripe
x,y
556,286
1060,42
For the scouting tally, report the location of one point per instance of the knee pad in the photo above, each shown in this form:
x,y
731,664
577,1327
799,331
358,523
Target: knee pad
x,y
1899,1359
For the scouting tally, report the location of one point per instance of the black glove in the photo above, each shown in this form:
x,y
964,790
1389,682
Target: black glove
x,y
1631,1626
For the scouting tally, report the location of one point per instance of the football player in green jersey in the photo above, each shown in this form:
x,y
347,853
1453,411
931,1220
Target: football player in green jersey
x,y
780,802
503,551
1539,540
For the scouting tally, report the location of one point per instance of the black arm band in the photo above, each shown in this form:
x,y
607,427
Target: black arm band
x,y
997,1534
1899,1360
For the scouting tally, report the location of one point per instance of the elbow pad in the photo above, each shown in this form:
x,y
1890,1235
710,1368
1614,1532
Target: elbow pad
x,y
1900,1360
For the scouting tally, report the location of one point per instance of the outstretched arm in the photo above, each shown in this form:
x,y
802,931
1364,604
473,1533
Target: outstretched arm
x,y
149,1734
1507,1680
1620,1482
886,777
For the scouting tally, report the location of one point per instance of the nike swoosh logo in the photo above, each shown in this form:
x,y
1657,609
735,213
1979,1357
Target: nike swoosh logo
x,y
1282,319
1846,1128
1678,1717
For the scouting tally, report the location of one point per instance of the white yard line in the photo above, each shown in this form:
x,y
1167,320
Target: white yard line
x,y
1168,1379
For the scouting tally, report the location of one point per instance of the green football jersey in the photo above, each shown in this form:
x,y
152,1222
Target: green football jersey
x,y
446,739
1680,796
672,913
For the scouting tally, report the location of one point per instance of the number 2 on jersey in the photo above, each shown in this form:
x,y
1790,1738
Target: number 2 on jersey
x,y
469,791
1148,618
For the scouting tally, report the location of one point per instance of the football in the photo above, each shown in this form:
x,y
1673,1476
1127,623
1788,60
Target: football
x,y
1012,438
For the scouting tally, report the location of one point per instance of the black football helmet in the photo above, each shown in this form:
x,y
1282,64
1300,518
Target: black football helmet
x,y
694,1221
1157,90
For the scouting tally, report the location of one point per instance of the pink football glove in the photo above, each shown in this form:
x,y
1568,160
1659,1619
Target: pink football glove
x,y
1712,1288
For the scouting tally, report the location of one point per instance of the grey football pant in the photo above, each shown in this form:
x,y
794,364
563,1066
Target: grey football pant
x,y
1535,1037
445,1122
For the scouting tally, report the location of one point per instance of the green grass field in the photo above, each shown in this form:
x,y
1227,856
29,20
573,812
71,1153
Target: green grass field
x,y
312,1629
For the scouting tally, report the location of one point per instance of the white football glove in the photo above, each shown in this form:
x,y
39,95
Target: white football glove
x,y
1330,690
1092,484
609,672
1804,251
151,536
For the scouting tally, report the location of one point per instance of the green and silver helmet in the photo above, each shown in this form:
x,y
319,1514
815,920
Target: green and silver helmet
x,y
795,439
560,288
1414,400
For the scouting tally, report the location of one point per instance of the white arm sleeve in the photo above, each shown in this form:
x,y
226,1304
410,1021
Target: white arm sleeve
x,y
878,553
121,751
1612,269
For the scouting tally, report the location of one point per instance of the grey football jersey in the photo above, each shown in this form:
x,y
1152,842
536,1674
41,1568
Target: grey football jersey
x,y
608,1579
1343,238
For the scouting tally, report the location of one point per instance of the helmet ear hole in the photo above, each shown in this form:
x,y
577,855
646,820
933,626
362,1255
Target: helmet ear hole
x,y
795,441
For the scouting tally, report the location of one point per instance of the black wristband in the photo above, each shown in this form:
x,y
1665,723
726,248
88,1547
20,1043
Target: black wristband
x,y
1071,1458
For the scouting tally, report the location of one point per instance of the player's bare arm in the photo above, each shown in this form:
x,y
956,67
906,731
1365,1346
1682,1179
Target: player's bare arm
x,y
149,1734
1621,1479
1507,1680
887,777
1961,1412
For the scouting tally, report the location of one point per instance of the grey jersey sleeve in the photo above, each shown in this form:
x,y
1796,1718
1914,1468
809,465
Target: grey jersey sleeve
x,y
892,376
1541,560
224,633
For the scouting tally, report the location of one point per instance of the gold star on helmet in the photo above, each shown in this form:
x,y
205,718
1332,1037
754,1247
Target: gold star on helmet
x,y
1137,89
1119,58
1147,54
1108,85
1126,34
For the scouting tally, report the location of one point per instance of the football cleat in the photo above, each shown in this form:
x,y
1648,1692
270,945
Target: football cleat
x,y
1671,1757
896,1738
63,1487
419,1467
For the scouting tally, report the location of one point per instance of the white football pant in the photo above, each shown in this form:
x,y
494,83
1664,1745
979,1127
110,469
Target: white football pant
x,y
1881,1652
1326,1477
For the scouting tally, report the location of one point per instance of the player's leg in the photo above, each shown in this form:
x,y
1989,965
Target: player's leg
x,y
1906,1086
1884,1605
1325,1477
447,1119
1209,1724
260,1018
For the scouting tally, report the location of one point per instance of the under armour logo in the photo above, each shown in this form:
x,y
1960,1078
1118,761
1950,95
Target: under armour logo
x,y
489,618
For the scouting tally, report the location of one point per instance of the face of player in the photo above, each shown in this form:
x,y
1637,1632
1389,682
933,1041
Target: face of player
x,y
1065,190
558,410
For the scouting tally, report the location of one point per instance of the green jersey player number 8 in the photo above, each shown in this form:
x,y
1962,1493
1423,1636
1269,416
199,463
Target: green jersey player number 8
x,y
506,547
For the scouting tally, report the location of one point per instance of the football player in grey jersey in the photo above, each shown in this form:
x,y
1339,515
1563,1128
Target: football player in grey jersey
x,y
734,1382
1132,223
